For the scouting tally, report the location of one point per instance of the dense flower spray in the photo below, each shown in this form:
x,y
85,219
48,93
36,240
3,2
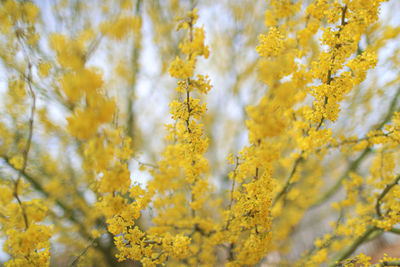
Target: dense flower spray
x,y
280,146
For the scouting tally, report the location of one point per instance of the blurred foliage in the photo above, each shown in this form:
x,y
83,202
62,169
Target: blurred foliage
x,y
198,133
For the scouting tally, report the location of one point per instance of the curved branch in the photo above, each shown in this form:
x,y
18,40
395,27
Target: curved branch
x,y
285,188
383,194
366,151
346,252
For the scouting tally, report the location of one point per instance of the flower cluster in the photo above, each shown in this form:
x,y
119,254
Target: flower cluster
x,y
91,176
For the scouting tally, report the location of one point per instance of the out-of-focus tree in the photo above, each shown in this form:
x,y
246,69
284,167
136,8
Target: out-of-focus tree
x,y
280,147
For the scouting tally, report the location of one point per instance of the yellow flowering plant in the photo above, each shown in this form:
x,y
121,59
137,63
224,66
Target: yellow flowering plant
x,y
199,133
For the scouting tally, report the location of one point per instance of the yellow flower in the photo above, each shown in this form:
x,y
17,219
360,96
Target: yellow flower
x,y
44,69
17,161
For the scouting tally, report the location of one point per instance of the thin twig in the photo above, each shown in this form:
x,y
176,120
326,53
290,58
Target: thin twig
x,y
146,164
83,252
346,252
285,188
386,263
353,165
232,190
383,194
395,231
30,134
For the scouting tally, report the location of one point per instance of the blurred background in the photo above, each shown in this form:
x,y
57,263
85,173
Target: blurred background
x,y
135,73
